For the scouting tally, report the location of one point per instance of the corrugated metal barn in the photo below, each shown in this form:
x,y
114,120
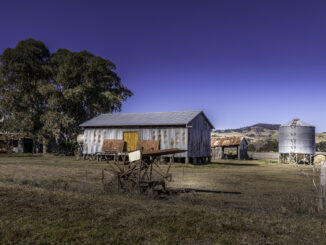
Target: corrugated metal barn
x,y
187,130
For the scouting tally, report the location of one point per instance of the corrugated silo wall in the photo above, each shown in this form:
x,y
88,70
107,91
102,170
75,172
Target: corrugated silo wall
x,y
169,137
299,139
199,144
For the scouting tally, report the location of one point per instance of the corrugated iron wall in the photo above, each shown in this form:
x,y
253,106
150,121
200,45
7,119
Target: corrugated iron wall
x,y
297,139
217,153
169,137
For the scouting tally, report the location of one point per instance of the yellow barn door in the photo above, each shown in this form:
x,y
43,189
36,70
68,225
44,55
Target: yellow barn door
x,y
130,139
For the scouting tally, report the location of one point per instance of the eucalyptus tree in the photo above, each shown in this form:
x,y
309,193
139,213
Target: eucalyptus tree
x,y
47,96
24,87
88,85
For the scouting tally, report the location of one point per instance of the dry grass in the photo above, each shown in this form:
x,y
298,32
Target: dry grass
x,y
44,200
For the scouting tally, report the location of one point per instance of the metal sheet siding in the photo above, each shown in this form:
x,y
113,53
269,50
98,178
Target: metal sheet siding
x,y
217,153
169,137
199,144
298,139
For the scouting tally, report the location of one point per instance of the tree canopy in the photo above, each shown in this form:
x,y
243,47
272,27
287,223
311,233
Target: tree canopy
x,y
321,146
270,145
47,96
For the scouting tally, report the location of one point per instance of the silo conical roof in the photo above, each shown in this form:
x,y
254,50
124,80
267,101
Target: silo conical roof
x,y
296,122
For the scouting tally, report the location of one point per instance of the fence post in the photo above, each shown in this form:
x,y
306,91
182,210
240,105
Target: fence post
x,y
14,172
86,172
182,178
322,188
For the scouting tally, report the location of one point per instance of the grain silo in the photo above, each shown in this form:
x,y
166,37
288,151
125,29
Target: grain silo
x,y
297,142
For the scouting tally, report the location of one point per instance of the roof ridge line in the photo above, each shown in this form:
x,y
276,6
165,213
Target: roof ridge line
x,y
148,112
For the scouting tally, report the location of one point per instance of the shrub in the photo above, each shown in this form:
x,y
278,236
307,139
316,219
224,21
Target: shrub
x,y
321,146
251,147
271,145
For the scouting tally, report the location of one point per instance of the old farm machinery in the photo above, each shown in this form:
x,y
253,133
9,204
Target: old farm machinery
x,y
137,170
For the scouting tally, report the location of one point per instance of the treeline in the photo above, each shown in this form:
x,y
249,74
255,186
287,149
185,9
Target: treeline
x,y
47,95
264,146
272,145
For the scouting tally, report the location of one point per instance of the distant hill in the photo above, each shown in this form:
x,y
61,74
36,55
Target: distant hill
x,y
258,132
258,126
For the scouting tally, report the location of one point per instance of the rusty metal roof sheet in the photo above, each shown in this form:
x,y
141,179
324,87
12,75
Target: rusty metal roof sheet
x,y
148,145
226,141
113,145
144,119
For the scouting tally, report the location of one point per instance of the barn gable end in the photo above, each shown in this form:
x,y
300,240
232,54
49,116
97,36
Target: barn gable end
x,y
199,134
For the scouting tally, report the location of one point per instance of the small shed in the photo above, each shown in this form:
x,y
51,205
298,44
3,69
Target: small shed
x,y
229,147
17,143
186,130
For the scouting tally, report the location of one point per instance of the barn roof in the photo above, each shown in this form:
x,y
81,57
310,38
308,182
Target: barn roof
x,y
226,141
144,119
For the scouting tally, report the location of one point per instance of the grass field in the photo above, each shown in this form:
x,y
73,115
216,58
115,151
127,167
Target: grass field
x,y
49,200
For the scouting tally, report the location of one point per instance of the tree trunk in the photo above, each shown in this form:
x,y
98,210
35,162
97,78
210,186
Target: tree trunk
x,y
34,146
45,146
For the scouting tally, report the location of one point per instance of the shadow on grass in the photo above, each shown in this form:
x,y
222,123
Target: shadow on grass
x,y
188,190
20,155
236,164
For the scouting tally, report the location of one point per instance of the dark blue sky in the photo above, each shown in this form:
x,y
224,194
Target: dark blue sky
x,y
241,62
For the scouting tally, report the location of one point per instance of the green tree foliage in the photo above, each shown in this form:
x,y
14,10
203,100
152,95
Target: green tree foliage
x,y
321,146
271,145
23,81
47,96
88,86
251,147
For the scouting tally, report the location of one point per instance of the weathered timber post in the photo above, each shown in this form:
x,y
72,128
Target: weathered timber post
x,y
182,177
238,151
310,159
